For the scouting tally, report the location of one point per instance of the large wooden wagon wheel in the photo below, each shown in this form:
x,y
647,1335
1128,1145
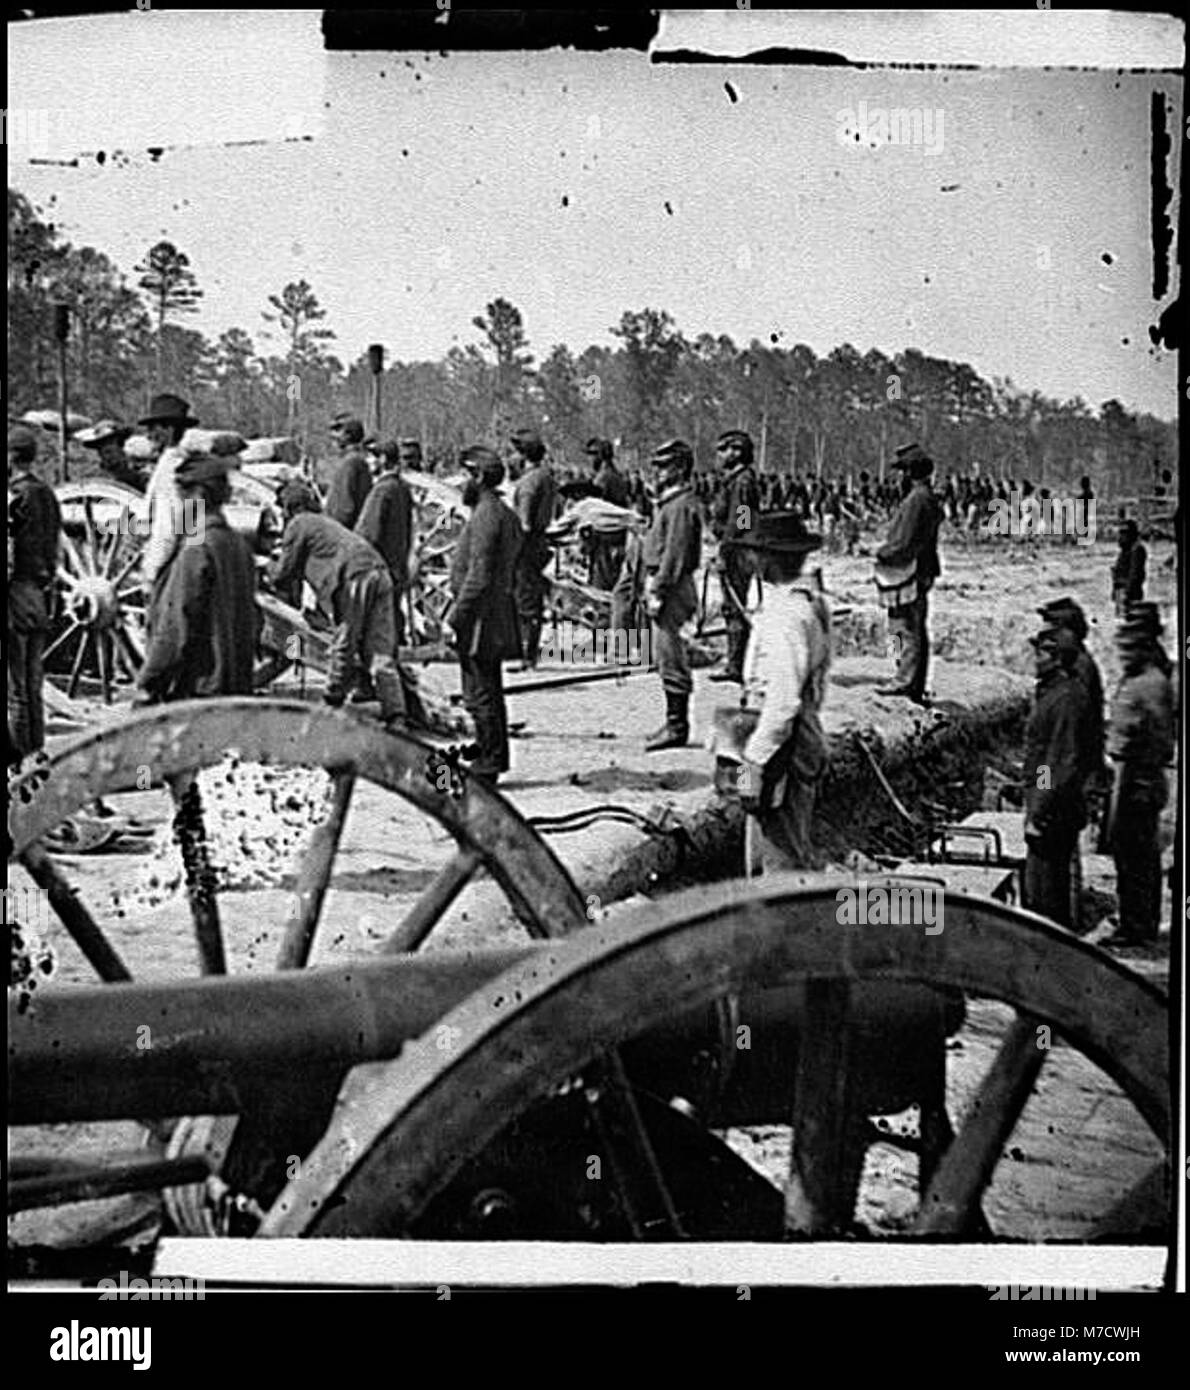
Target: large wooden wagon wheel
x,y
402,1134
174,741
101,629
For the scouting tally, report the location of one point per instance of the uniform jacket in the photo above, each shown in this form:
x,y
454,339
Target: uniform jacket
x,y
349,487
386,523
785,673
1054,755
1128,573
1141,736
203,640
740,489
165,514
481,578
1087,672
914,535
673,545
612,485
324,553
534,497
35,533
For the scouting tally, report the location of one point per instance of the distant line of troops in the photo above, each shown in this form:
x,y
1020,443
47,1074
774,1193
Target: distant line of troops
x,y
354,551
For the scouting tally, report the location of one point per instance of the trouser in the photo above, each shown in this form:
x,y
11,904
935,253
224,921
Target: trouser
x,y
483,694
627,606
26,675
1047,876
907,628
398,612
531,587
607,555
1138,865
736,577
780,838
669,649
364,640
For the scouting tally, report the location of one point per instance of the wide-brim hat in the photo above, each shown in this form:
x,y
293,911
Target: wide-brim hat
x,y
780,532
101,432
168,410
525,440
200,469
914,460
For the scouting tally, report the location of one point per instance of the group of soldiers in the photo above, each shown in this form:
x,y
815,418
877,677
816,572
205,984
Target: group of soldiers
x,y
354,547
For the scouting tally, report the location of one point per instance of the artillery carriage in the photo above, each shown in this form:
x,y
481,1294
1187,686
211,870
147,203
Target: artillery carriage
x,y
446,1094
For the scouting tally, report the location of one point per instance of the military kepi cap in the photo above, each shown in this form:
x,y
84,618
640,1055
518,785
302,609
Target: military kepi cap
x,y
525,440
672,451
484,461
167,409
733,437
914,459
22,441
1048,637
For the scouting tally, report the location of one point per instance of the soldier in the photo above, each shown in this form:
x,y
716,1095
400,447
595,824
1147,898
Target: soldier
x,y
352,480
1141,743
352,583
484,613
409,453
535,498
386,523
107,439
607,555
203,642
1128,571
737,510
35,532
1054,773
912,549
167,421
671,555
786,667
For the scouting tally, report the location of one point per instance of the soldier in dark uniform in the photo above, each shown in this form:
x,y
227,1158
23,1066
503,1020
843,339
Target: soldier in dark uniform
x,y
204,640
607,553
913,538
1140,743
1054,774
107,439
535,498
409,455
35,531
1128,571
484,613
351,580
738,506
352,480
386,523
672,550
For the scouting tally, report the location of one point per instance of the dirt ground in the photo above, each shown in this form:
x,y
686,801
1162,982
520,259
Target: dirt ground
x,y
1080,1144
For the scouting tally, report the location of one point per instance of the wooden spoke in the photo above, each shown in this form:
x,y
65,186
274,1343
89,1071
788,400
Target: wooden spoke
x,y
318,861
91,536
951,1201
190,833
76,668
62,637
83,928
425,913
103,651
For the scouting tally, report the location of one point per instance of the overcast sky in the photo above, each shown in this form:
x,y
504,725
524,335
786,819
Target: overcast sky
x,y
1014,236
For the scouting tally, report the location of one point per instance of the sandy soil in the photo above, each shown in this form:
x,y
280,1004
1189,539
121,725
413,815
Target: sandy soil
x,y
1079,1145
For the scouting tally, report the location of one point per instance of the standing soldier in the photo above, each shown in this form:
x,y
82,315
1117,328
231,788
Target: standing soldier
x,y
1128,571
107,439
1055,768
35,531
352,480
911,553
607,555
410,455
386,523
484,614
167,421
352,583
736,512
671,555
786,667
535,497
204,640
1141,743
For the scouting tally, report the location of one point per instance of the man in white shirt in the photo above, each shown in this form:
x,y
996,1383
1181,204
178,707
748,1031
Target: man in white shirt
x,y
167,421
785,673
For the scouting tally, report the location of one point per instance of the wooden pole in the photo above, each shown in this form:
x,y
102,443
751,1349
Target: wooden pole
x,y
62,332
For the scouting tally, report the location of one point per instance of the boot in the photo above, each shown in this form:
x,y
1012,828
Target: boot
x,y
675,732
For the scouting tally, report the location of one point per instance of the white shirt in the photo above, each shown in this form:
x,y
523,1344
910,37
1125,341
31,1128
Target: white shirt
x,y
165,513
786,665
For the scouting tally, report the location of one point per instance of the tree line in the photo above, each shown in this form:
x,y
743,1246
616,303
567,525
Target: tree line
x,y
812,416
